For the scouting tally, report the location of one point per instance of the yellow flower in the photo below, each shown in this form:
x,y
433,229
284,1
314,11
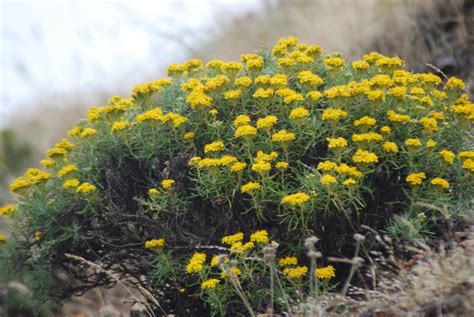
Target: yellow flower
x,y
327,166
215,63
261,167
326,272
263,94
430,124
38,235
232,67
198,99
360,65
296,272
238,167
244,81
87,132
365,157
375,95
241,120
155,243
349,182
263,80
468,164
288,99
331,114
119,125
260,237
47,163
3,238
385,130
299,113
279,80
192,64
365,121
85,188
431,143
390,147
215,146
188,136
415,179
196,263
232,94
238,247
281,165
283,136
399,92
71,183
7,210
310,79
327,179
297,199
288,261
255,63
167,183
441,182
396,117
367,137
267,123
245,131
447,156
314,95
413,143
175,70
152,191
262,156
67,169
454,83
250,187
466,155
334,63
233,238
93,114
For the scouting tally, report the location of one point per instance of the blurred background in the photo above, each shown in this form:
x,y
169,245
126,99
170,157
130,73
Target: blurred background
x,y
58,58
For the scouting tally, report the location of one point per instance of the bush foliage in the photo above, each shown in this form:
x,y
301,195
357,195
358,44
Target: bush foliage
x,y
180,189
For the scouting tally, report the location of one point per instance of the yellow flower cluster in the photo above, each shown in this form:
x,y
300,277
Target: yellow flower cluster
x,y
260,236
210,283
32,176
337,143
167,183
415,179
196,263
441,182
295,273
7,210
283,137
364,157
245,131
232,239
155,243
215,146
326,272
367,137
71,183
331,114
67,169
85,188
295,200
250,187
288,261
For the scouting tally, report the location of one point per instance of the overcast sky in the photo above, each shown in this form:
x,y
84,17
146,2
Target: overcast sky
x,y
55,47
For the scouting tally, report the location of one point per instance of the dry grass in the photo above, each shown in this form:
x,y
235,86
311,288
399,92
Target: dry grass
x,y
434,283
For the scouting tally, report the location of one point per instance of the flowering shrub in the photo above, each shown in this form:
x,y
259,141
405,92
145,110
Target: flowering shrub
x,y
289,140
